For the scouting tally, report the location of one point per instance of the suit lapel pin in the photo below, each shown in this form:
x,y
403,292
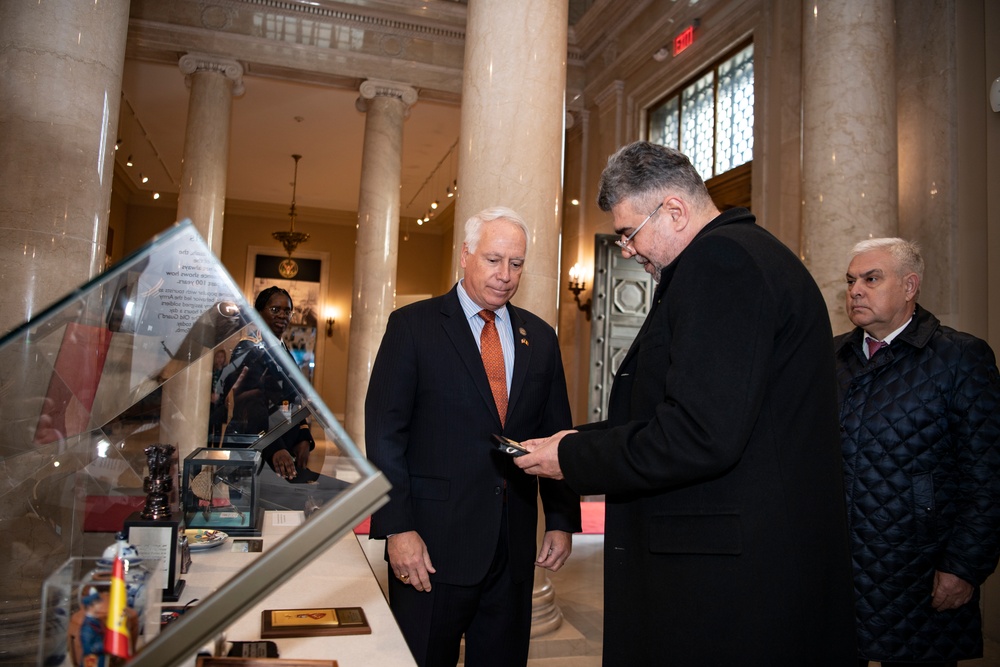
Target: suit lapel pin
x,y
524,341
522,331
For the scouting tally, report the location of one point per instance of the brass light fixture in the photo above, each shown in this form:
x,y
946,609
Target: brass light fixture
x,y
577,284
291,239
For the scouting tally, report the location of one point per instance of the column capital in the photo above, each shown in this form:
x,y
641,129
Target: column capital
x,y
372,88
612,93
191,63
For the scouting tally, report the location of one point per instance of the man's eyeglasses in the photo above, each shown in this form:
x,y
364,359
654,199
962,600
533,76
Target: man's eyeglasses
x,y
624,241
274,310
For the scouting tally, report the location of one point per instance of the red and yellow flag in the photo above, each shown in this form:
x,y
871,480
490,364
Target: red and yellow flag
x,y
116,635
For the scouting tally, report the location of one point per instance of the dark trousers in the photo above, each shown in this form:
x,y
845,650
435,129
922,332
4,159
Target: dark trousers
x,y
952,663
494,615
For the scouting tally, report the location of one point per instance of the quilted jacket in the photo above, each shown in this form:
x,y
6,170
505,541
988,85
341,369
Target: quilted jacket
x,y
920,430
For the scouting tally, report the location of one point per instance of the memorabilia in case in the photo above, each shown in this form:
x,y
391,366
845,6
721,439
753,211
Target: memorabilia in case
x,y
324,621
220,493
76,601
208,661
155,532
105,393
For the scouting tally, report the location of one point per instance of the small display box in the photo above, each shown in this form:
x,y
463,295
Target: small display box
x,y
220,490
75,603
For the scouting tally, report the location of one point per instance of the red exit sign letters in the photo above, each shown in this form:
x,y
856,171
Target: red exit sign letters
x,y
684,40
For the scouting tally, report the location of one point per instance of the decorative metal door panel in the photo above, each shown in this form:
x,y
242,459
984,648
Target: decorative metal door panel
x,y
622,295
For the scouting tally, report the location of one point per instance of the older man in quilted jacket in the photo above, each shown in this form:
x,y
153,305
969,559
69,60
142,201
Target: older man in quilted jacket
x,y
920,426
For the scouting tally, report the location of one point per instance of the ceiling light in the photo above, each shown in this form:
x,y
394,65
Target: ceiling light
x,y
156,195
434,204
144,179
128,161
291,239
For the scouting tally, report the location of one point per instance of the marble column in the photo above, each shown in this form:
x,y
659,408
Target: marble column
x,y
511,154
511,143
213,81
386,105
61,65
61,68
849,171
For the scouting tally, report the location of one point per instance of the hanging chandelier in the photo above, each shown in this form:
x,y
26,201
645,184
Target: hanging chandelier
x,y
291,239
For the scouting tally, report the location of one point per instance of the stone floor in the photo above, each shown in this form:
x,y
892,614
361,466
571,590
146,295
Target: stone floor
x,y
579,589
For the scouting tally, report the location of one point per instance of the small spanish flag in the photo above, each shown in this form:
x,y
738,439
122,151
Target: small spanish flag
x,y
116,636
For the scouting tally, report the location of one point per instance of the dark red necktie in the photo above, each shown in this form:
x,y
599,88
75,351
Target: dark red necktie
x,y
492,352
874,346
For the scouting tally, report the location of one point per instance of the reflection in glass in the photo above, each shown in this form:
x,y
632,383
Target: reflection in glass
x,y
125,362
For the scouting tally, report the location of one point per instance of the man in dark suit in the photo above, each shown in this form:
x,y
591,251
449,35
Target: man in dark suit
x,y
726,540
461,519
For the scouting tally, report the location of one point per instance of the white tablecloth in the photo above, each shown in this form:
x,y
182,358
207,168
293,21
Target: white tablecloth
x,y
341,577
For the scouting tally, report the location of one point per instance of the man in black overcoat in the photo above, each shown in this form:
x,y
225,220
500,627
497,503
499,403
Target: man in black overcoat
x,y
726,540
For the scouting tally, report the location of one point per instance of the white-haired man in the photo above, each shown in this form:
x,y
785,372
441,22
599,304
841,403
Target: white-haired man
x,y
920,431
460,523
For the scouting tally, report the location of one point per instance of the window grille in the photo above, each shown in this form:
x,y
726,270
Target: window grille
x,y
711,119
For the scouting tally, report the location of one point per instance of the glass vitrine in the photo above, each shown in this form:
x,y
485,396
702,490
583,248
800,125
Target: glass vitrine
x,y
125,363
219,490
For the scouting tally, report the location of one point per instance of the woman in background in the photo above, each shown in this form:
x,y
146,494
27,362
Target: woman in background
x,y
261,389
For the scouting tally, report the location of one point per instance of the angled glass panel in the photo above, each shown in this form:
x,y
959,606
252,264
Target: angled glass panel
x,y
120,372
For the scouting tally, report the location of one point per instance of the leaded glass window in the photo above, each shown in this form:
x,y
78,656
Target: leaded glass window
x,y
711,119
697,120
734,120
664,123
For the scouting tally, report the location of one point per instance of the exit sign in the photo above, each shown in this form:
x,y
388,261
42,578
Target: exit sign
x,y
684,40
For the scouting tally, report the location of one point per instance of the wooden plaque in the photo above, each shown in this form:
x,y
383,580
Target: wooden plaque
x,y
208,661
314,622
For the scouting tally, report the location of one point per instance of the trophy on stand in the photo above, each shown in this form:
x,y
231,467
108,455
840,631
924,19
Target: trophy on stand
x,y
153,531
159,483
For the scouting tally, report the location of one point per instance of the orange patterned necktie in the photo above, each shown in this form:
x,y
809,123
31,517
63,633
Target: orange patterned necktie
x,y
489,342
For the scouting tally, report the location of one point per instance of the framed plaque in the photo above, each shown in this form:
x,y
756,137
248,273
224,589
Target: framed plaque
x,y
315,622
208,661
159,539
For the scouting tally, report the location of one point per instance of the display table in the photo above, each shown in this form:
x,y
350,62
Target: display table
x,y
341,577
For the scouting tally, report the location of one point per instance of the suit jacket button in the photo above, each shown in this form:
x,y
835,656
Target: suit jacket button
x,y
497,490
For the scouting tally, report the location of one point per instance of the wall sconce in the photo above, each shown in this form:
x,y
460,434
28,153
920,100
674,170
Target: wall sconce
x,y
331,317
578,284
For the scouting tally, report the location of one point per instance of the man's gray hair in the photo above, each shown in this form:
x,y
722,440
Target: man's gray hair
x,y
474,225
906,253
644,172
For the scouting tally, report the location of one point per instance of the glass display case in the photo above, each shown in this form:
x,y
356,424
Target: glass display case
x,y
125,362
219,491
77,593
